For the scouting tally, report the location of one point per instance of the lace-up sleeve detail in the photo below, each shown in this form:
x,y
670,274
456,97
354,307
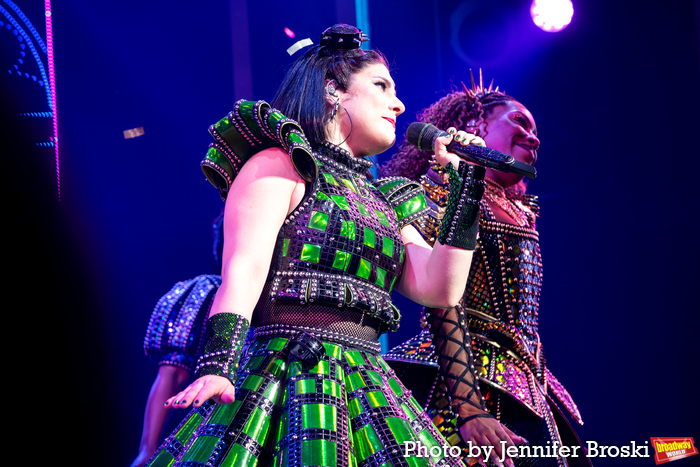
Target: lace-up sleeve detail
x,y
452,343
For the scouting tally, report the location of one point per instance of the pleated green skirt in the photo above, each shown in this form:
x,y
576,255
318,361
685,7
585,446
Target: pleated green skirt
x,y
348,410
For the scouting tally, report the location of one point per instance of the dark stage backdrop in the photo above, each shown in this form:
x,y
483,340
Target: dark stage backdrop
x,y
615,96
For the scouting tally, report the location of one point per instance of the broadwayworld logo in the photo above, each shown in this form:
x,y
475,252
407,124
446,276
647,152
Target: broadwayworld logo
x,y
671,449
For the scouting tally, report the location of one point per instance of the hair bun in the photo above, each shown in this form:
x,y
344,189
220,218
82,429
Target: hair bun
x,y
342,36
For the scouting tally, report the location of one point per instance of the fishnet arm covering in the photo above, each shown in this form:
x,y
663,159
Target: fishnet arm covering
x,y
452,343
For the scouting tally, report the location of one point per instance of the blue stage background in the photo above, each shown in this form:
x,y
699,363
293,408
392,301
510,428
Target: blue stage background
x,y
615,96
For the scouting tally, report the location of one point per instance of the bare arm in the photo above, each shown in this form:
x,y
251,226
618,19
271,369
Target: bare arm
x,y
434,277
169,381
265,191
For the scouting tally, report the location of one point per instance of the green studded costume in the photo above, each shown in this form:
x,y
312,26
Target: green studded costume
x,y
336,261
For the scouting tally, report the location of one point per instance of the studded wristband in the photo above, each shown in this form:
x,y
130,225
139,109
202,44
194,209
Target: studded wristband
x,y
460,223
223,344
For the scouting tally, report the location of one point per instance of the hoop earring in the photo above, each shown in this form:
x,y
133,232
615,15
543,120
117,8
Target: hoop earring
x,y
349,118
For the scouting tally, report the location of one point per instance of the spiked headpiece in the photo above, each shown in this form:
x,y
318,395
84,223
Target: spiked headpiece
x,y
478,92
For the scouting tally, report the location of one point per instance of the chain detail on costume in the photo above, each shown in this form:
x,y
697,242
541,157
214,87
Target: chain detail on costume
x,y
223,345
511,205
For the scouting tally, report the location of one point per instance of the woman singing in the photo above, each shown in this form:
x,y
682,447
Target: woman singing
x,y
312,251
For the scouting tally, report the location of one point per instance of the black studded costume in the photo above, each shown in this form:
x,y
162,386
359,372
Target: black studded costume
x,y
336,261
176,328
504,366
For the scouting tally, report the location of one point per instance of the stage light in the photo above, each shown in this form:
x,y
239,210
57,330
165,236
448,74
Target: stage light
x,y
289,32
551,15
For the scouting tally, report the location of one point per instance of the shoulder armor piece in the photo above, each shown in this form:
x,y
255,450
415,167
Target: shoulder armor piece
x,y
250,128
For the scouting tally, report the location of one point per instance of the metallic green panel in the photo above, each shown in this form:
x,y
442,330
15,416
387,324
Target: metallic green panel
x,y
400,429
318,452
333,350
348,229
341,260
277,343
330,179
370,238
364,269
276,366
163,459
376,399
349,184
252,382
382,218
188,428
395,387
363,209
272,391
411,206
253,362
201,449
383,364
318,221
341,201
322,368
319,416
223,413
367,442
321,195
332,388
375,378
388,186
238,456
355,407
355,381
381,276
387,246
285,246
310,253
354,358
305,386
408,410
257,425
294,368
280,460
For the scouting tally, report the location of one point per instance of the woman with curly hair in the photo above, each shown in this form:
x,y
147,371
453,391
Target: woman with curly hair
x,y
490,374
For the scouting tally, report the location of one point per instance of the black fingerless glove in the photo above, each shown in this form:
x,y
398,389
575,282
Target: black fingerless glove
x,y
223,344
460,223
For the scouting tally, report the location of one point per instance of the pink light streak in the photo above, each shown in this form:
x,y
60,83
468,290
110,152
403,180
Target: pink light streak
x,y
52,85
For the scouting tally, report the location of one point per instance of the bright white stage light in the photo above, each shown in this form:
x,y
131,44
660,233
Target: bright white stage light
x,y
551,15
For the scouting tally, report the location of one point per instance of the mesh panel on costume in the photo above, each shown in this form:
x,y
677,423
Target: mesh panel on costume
x,y
341,320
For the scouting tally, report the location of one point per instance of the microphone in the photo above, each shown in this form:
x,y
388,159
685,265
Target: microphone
x,y
422,136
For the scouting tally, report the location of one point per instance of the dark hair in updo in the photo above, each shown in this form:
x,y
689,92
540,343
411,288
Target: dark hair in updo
x,y
457,109
302,93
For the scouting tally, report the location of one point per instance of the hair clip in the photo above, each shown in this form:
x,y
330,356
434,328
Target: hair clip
x,y
299,45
